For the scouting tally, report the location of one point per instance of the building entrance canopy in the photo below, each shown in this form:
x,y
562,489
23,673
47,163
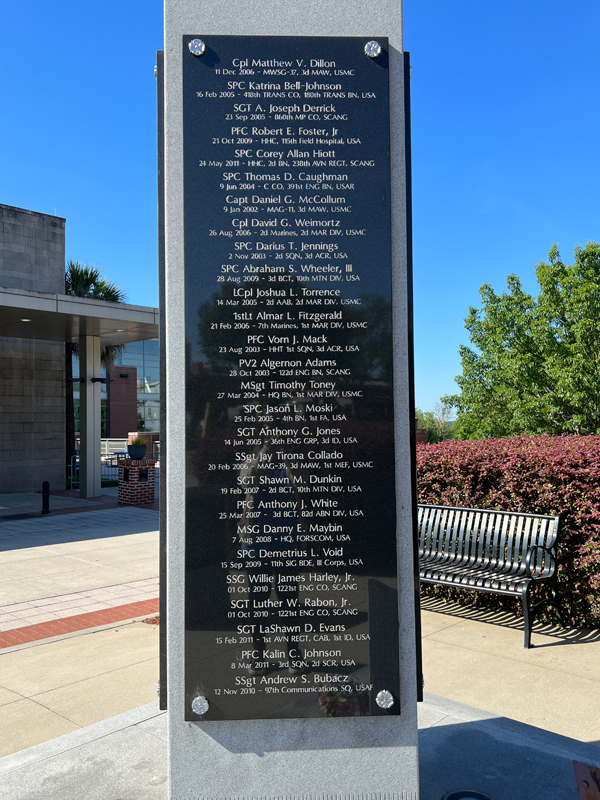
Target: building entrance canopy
x,y
62,318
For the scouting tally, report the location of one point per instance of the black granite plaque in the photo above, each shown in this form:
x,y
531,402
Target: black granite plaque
x,y
290,584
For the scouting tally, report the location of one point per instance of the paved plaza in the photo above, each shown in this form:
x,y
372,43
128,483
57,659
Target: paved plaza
x,y
478,658
459,747
83,694
73,651
74,553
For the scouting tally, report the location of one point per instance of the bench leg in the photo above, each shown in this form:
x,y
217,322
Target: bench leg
x,y
530,612
527,617
553,604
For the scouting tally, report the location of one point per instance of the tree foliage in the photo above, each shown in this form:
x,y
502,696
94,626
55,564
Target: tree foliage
x,y
84,280
534,364
438,423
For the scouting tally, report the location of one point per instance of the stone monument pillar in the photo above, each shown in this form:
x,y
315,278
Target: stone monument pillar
x,y
291,644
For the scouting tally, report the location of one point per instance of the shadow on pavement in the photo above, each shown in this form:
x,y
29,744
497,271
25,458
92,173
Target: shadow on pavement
x,y
505,759
60,529
506,619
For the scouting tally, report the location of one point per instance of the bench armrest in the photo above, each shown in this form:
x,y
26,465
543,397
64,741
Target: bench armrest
x,y
529,558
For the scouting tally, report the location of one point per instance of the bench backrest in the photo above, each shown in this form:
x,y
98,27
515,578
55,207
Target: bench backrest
x,y
482,538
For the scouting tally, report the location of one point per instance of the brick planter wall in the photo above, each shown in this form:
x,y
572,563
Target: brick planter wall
x,y
132,492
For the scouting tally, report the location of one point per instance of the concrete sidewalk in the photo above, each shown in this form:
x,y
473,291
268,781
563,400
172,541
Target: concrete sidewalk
x,y
28,505
17,503
62,554
59,569
58,686
477,658
70,654
460,748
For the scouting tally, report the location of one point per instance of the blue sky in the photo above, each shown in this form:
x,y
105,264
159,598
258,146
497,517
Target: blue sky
x,y
506,133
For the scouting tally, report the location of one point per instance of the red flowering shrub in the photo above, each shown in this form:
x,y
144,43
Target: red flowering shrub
x,y
537,474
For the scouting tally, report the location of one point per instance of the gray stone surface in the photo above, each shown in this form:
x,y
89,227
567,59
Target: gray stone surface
x,y
32,250
287,758
464,748
32,372
124,758
32,414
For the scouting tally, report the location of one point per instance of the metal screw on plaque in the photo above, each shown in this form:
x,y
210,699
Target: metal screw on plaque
x,y
200,705
197,47
372,49
384,699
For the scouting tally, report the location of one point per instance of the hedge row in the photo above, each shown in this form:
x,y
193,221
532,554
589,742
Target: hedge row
x,y
538,474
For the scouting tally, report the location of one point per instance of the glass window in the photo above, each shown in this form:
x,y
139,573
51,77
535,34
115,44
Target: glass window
x,y
148,415
134,347
144,356
148,383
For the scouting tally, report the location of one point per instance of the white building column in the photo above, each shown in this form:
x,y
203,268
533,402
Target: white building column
x,y
89,393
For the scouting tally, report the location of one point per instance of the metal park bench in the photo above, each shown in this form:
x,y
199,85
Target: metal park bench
x,y
501,552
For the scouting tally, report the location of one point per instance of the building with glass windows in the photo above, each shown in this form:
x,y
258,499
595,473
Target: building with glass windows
x,y
144,357
137,361
36,320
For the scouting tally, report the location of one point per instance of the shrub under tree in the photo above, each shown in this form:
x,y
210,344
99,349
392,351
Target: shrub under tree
x,y
537,474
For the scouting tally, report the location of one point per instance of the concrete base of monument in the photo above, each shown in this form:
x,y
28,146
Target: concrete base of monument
x,y
125,757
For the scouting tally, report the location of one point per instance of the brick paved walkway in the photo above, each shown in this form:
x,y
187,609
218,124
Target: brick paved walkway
x,y
78,622
75,572
50,609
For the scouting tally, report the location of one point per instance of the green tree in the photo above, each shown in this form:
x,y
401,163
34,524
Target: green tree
x,y
534,364
84,280
438,423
